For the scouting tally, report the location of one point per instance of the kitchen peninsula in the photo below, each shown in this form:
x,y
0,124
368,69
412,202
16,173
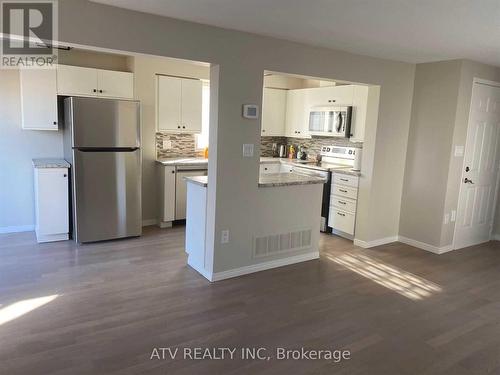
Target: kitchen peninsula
x,y
287,231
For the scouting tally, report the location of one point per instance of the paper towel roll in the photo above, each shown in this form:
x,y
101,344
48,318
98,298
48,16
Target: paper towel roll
x,y
357,159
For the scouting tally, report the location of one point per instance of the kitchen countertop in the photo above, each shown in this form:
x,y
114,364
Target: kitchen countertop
x,y
183,161
50,163
310,164
271,179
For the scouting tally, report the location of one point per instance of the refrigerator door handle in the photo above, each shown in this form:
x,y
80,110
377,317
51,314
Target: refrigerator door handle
x,y
106,149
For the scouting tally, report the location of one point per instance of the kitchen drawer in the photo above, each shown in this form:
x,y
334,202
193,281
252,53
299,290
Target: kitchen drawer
x,y
345,179
270,168
344,191
341,220
342,203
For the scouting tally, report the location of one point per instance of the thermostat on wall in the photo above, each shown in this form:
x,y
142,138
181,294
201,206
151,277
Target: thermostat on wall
x,y
251,111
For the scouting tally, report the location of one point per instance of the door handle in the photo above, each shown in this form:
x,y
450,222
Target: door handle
x,y
467,181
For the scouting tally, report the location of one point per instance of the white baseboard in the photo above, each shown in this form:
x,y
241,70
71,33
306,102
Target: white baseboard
x,y
425,246
17,229
380,241
52,237
217,276
495,237
148,222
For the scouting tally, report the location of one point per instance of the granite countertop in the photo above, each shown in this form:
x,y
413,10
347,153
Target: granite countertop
x,y
271,179
198,180
311,164
183,161
287,179
50,163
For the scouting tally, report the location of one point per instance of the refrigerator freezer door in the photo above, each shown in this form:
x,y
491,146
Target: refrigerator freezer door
x,y
104,123
107,195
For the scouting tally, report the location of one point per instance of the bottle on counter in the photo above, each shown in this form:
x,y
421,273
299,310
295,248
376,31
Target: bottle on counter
x,y
291,152
205,153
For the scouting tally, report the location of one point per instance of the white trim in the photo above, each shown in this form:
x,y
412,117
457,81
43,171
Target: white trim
x,y
495,237
380,241
17,229
148,222
206,274
485,82
52,237
217,276
425,246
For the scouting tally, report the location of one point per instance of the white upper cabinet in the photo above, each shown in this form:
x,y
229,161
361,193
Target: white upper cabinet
x,y
179,104
80,81
191,105
112,84
76,80
297,114
273,112
364,111
331,96
38,99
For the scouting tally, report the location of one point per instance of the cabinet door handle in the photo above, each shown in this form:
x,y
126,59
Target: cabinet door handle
x,y
173,172
55,122
65,175
178,127
343,191
341,214
344,179
183,127
342,202
100,91
94,90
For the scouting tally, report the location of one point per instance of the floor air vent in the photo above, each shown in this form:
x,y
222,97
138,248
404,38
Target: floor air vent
x,y
281,243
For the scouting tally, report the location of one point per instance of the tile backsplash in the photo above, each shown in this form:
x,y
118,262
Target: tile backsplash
x,y
313,144
183,145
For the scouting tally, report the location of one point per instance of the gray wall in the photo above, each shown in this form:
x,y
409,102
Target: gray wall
x,y
18,148
440,115
241,59
429,149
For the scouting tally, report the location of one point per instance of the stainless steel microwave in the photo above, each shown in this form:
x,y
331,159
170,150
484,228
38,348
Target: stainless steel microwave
x,y
333,121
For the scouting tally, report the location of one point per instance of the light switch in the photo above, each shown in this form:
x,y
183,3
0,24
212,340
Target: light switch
x,y
446,218
224,238
453,216
459,151
247,150
167,144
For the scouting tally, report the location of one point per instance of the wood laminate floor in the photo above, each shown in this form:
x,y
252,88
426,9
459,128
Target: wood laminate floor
x,y
103,308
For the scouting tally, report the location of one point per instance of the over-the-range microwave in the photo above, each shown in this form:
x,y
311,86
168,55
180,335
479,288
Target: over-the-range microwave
x,y
333,121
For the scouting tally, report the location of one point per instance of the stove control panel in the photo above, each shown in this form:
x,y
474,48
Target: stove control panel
x,y
341,152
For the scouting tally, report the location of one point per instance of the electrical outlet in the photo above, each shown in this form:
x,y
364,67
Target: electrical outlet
x,y
453,216
167,145
224,237
247,150
446,218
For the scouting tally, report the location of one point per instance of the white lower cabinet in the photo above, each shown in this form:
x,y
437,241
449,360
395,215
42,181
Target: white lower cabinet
x,y
166,183
343,204
342,220
172,193
51,204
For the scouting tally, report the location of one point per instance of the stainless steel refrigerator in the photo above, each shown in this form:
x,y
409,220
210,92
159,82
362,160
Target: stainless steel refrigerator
x,y
102,142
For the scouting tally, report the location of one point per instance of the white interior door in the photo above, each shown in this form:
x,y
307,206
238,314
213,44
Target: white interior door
x,y
476,206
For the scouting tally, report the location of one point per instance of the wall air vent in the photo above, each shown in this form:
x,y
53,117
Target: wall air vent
x,y
281,243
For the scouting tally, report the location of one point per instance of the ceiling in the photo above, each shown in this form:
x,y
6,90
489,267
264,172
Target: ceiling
x,y
405,30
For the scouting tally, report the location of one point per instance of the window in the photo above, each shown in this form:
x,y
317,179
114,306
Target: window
x,y
202,138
